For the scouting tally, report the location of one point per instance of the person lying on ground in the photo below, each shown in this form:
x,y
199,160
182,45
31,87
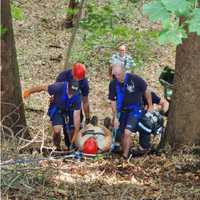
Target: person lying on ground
x,y
94,138
125,93
64,111
78,73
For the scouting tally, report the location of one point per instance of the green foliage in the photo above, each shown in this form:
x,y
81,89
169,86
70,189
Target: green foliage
x,y
156,11
168,13
16,12
134,1
104,27
194,23
173,36
99,19
71,11
180,7
122,31
145,42
3,30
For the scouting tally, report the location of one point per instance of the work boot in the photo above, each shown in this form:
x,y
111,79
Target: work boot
x,y
139,151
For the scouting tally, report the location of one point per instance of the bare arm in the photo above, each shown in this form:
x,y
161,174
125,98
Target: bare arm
x,y
148,97
164,105
114,112
108,138
76,125
86,107
35,89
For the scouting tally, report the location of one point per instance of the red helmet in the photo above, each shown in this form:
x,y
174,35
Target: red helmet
x,y
90,146
78,71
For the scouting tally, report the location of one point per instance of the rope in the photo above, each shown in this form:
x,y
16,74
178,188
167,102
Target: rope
x,y
75,155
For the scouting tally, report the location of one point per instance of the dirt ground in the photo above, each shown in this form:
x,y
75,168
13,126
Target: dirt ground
x,y
148,178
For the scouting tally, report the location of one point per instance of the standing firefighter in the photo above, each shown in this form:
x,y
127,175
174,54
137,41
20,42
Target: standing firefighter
x,y
64,110
125,93
77,73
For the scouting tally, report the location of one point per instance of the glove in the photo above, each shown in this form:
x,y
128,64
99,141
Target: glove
x,y
26,94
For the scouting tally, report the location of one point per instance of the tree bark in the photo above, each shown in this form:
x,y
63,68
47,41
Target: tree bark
x,y
73,34
12,109
73,4
183,125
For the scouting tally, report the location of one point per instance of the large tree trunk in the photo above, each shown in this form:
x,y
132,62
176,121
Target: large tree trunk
x,y
12,109
184,117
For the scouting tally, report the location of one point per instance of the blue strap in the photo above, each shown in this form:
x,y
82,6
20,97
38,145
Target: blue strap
x,y
69,101
53,109
121,93
134,108
73,99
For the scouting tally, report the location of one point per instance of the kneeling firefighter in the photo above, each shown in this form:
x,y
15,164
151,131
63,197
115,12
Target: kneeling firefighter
x,y
150,123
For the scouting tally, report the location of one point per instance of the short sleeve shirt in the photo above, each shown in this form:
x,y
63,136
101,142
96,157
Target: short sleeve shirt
x,y
125,61
134,90
61,98
67,76
155,99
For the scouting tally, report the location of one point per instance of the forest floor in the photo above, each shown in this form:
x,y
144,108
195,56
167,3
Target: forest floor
x,y
41,43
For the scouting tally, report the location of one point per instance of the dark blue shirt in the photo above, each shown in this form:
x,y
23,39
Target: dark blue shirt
x,y
67,76
134,90
155,99
61,98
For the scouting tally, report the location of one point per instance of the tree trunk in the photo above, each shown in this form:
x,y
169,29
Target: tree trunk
x,y
73,4
73,34
183,125
12,109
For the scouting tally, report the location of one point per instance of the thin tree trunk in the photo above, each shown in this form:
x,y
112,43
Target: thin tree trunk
x,y
73,4
183,125
74,31
12,109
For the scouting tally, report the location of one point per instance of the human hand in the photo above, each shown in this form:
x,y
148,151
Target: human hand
x,y
26,94
150,108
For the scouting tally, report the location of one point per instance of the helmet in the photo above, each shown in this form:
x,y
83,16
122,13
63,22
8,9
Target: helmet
x,y
151,122
90,146
78,71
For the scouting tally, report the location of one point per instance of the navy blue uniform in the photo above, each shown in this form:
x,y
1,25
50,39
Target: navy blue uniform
x,y
129,99
155,99
67,76
62,108
134,90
